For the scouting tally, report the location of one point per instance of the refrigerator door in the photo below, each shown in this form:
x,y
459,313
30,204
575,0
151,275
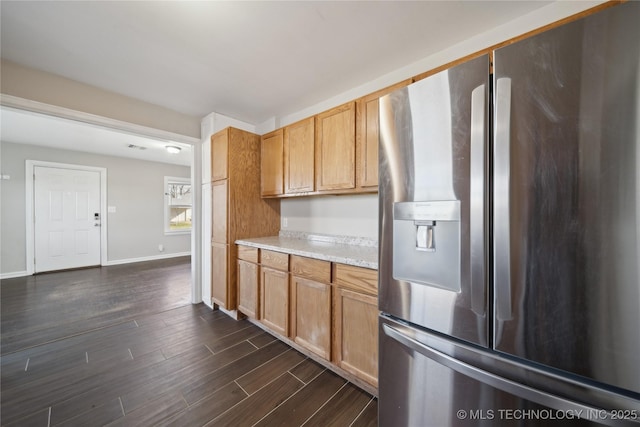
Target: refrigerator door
x,y
423,384
432,181
567,197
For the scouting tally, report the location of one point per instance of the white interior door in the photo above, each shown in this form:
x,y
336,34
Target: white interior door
x,y
67,218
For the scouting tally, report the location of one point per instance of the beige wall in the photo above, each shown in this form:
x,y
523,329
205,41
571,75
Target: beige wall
x,y
357,215
34,85
134,187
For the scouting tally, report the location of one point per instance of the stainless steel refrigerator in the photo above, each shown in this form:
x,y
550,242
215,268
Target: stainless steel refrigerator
x,y
510,234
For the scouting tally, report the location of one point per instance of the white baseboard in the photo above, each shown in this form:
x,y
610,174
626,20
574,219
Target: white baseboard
x,y
13,274
146,258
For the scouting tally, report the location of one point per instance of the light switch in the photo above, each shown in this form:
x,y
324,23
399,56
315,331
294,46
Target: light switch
x,y
111,209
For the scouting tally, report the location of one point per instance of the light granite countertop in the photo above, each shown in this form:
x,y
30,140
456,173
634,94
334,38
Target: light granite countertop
x,y
357,251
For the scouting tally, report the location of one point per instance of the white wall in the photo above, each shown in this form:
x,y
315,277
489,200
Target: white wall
x,y
355,215
134,187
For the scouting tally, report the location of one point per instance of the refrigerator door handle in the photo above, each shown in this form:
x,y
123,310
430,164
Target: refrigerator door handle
x,y
501,229
505,384
476,199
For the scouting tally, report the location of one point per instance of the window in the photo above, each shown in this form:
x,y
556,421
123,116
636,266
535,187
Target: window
x,y
178,201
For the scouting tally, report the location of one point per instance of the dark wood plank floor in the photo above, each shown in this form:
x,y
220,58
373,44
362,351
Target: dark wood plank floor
x,y
123,346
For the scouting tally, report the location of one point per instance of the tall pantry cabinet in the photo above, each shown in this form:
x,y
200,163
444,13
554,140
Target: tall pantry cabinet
x,y
237,210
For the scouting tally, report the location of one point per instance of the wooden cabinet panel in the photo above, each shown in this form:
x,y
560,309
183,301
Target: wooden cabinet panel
x,y
311,315
277,260
219,206
219,155
335,148
367,144
248,288
274,295
248,253
237,210
357,278
219,273
368,135
272,164
314,269
356,334
299,156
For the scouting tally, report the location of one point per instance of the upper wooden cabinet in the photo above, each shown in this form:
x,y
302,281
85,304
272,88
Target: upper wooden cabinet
x,y
299,157
368,135
336,148
271,164
334,152
238,211
219,155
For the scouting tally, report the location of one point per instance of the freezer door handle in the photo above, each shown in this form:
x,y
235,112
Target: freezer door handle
x,y
501,229
505,384
476,199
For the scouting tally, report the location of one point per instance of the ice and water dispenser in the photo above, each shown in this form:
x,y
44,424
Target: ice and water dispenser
x,y
426,243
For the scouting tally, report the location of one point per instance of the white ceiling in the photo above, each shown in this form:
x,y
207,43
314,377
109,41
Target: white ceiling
x,y
250,60
22,127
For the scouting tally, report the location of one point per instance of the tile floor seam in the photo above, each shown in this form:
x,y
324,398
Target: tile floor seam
x,y
362,411
324,404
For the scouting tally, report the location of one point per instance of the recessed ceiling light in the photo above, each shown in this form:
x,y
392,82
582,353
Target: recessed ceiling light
x,y
172,149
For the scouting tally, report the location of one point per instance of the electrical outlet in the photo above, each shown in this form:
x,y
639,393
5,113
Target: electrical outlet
x,y
161,248
284,222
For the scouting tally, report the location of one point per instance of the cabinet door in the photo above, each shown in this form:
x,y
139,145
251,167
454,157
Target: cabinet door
x,y
299,141
367,137
311,315
219,275
220,155
248,288
335,148
271,164
367,144
274,294
219,206
356,334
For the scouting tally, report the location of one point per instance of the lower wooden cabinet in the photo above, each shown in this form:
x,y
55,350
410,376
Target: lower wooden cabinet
x,y
274,298
355,346
327,309
248,301
221,293
248,281
311,315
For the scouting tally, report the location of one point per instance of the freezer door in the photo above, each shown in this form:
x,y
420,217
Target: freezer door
x,y
432,184
567,197
423,384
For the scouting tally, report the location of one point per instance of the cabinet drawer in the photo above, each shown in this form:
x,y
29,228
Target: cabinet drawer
x,y
314,269
274,259
356,278
248,253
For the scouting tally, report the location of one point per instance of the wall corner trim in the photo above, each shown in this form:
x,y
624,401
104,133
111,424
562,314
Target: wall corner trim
x,y
23,104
